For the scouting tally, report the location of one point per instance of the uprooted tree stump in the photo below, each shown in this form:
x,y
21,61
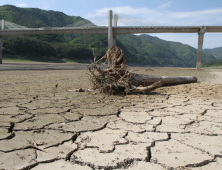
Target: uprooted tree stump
x,y
117,79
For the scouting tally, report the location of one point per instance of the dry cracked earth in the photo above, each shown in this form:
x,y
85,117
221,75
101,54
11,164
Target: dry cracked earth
x,y
43,126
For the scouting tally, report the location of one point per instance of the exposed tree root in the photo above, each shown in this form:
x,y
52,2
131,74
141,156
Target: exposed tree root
x,y
118,80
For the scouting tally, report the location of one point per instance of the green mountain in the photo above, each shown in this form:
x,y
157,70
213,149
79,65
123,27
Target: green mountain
x,y
35,18
41,46
149,52
216,52
142,49
213,63
185,52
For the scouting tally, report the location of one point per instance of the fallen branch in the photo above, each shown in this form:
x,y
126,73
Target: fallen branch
x,y
147,89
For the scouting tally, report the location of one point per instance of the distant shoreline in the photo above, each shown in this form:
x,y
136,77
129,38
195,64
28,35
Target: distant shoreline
x,y
35,65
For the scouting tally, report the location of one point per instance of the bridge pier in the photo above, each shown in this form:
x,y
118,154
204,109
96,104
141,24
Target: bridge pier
x,y
115,25
200,47
1,44
110,29
1,40
111,35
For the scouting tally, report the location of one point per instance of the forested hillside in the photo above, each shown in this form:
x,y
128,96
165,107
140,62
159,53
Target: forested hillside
x,y
142,49
183,51
216,52
214,63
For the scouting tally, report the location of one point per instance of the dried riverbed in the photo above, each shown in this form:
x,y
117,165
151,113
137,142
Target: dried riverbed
x,y
42,126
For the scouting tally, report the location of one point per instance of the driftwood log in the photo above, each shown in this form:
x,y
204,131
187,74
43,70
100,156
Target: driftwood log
x,y
118,80
145,80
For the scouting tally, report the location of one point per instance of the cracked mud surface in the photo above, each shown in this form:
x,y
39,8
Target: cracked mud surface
x,y
45,127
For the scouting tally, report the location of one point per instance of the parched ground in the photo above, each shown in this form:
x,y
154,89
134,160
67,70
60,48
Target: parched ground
x,y
43,126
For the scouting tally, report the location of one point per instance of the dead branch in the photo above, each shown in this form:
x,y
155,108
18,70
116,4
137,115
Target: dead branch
x,y
116,79
147,89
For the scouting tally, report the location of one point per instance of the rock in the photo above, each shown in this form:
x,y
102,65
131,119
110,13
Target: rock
x,y
173,124
122,156
141,165
11,111
105,140
56,152
213,116
146,137
174,154
39,121
135,117
44,138
17,159
211,144
205,127
120,124
88,123
99,111
60,165
215,165
4,133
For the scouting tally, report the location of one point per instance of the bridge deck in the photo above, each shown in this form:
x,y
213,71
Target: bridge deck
x,y
116,30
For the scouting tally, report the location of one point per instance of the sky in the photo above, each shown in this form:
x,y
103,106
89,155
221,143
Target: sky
x,y
152,12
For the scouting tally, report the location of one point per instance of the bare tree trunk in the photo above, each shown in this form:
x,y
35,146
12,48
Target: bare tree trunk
x,y
167,81
146,80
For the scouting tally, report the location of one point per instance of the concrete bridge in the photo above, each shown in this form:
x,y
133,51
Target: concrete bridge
x,y
112,30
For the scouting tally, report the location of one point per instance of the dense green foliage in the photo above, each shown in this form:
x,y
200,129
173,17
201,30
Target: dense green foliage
x,y
216,52
42,46
34,17
27,46
149,52
68,51
185,52
212,63
98,42
142,49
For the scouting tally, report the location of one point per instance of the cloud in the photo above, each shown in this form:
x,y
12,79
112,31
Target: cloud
x,y
128,10
127,15
22,5
165,5
167,17
203,17
161,16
